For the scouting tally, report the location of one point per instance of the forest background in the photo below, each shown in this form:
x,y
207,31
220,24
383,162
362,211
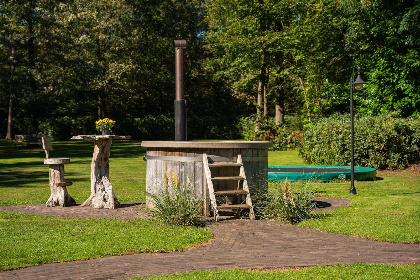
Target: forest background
x,y
65,64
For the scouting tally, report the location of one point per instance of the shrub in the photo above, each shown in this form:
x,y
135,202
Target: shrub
x,y
64,127
246,128
285,204
381,142
162,127
151,127
175,204
287,136
287,139
213,127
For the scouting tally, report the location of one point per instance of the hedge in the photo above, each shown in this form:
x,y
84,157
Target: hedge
x,y
381,142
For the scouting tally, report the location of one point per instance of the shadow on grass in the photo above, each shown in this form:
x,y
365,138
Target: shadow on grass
x,y
320,215
322,204
17,179
22,166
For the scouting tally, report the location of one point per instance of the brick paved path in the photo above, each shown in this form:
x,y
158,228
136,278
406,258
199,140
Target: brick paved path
x,y
237,244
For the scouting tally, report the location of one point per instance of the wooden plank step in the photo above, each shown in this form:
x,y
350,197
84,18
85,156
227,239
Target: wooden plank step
x,y
227,178
231,192
224,164
64,184
233,206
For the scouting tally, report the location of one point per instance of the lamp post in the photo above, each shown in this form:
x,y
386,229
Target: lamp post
x,y
354,85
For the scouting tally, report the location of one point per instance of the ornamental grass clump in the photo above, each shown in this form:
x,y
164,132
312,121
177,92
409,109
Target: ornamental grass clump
x,y
285,204
176,204
104,124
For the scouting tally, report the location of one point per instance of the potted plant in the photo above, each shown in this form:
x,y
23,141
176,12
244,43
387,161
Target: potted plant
x,y
105,126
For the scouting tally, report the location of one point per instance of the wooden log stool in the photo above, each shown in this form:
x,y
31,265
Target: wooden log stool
x,y
59,195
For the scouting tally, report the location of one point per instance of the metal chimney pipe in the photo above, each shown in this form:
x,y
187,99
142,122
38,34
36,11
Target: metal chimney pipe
x,y
179,103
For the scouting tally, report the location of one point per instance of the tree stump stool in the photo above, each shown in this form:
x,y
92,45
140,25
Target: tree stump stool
x,y
59,195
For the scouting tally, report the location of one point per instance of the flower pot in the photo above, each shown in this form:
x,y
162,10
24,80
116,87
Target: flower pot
x,y
106,131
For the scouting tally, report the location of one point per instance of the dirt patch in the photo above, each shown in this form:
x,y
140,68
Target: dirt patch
x,y
331,203
132,210
414,168
411,172
127,210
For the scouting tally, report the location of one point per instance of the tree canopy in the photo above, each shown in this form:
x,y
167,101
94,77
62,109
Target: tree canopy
x,y
65,64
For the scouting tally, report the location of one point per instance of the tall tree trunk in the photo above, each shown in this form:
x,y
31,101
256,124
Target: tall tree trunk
x,y
306,99
32,59
100,112
279,115
279,111
101,90
265,85
9,117
259,105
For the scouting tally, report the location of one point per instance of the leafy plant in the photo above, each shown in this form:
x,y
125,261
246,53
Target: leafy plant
x,y
104,124
287,136
175,204
285,204
385,141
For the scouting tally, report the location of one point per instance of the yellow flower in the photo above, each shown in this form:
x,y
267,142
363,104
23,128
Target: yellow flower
x,y
104,124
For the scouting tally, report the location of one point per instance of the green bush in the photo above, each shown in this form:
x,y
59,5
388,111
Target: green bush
x,y
213,127
287,136
160,127
381,142
287,139
285,204
64,127
175,204
246,128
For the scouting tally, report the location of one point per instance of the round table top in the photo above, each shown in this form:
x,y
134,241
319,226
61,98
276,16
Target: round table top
x,y
208,144
99,137
56,160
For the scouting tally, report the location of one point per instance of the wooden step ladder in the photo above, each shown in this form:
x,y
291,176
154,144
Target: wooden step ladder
x,y
241,190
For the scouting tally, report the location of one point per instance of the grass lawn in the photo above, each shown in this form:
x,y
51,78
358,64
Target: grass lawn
x,y
28,240
342,272
386,209
24,177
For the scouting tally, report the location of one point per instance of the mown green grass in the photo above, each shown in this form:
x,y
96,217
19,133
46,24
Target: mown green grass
x,y
28,240
387,209
31,240
24,177
284,158
342,272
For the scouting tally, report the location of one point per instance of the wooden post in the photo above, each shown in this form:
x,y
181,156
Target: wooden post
x,y
59,195
102,194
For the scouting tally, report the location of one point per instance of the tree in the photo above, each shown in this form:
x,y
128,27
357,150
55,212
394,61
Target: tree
x,y
246,39
386,43
19,53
